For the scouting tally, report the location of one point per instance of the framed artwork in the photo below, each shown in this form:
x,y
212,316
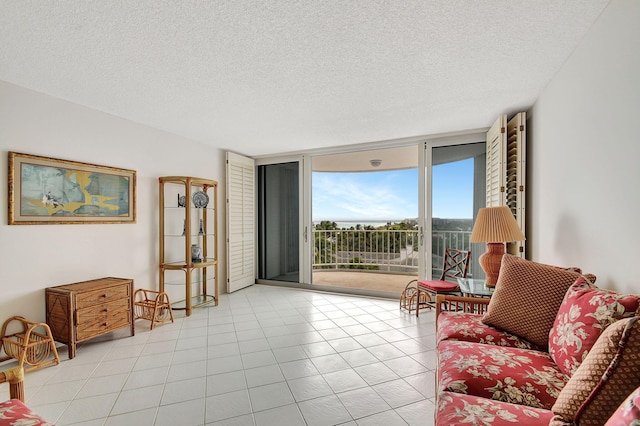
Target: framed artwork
x,y
46,190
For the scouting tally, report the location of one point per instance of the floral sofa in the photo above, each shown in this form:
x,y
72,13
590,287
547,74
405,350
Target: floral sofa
x,y
549,348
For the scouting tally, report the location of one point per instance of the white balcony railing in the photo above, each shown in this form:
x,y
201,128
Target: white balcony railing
x,y
389,251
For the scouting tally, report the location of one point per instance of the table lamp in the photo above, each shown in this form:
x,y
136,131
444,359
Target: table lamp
x,y
494,226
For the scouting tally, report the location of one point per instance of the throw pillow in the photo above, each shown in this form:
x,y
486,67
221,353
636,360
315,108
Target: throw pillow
x,y
584,314
628,413
527,298
609,373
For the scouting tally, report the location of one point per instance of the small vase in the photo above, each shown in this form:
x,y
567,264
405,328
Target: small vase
x,y
196,251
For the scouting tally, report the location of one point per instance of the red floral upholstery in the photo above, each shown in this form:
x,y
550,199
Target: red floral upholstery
x,y
469,327
584,314
15,413
454,409
520,376
628,413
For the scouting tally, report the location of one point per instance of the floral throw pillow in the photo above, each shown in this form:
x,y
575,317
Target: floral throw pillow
x,y
584,314
527,298
605,378
628,413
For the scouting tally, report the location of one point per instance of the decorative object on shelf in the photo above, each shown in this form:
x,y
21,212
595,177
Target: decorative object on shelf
x,y
196,252
494,226
46,190
182,200
184,228
201,231
200,199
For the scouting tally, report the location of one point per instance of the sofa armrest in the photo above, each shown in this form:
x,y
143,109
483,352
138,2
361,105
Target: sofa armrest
x,y
15,377
447,302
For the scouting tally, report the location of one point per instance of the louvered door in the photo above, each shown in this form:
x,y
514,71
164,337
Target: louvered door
x,y
496,141
240,222
515,168
506,170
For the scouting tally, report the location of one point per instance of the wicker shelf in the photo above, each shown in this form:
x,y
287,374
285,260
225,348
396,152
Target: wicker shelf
x,y
188,218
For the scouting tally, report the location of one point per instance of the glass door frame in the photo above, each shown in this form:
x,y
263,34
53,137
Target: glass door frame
x,y
304,216
425,203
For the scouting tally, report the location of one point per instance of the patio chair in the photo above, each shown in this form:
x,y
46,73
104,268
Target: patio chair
x,y
419,294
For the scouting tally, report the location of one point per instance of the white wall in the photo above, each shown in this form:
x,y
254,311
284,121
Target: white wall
x,y
33,257
584,155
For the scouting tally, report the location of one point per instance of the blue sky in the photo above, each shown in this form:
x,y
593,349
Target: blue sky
x,y
391,195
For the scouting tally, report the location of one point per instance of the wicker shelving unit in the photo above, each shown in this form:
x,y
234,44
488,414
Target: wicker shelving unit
x,y
188,218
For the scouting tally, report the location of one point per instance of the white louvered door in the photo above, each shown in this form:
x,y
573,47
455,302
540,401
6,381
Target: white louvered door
x,y
516,175
240,222
496,142
506,170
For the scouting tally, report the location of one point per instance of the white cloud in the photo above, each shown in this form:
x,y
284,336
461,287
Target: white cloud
x,y
358,196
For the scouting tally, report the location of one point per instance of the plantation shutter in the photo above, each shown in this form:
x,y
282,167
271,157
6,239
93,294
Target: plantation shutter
x,y
496,142
516,175
506,170
240,222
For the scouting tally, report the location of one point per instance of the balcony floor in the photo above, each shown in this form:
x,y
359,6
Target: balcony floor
x,y
362,280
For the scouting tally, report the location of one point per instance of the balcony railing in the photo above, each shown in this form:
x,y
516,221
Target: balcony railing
x,y
388,251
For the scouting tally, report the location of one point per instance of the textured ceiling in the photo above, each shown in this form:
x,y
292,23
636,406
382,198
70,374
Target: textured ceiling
x,y
263,77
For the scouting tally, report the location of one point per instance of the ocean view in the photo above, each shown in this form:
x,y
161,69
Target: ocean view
x,y
352,223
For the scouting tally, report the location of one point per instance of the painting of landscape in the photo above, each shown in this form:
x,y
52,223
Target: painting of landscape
x,y
46,190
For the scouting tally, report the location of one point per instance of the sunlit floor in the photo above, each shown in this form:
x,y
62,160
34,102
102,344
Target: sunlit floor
x,y
363,280
264,356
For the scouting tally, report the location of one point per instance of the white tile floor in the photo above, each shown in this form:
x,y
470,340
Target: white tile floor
x,y
264,356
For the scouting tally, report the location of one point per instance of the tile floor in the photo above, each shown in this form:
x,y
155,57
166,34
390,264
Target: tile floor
x,y
264,356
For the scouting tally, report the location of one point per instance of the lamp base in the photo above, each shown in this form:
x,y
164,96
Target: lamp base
x,y
490,262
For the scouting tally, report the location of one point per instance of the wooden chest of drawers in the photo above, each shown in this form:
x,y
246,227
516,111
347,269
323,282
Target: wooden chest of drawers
x,y
81,311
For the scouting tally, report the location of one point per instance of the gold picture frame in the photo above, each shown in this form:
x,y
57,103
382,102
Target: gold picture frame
x,y
45,190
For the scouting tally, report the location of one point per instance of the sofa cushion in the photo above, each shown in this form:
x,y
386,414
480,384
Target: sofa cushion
x,y
609,373
527,298
454,408
584,313
469,327
520,376
15,412
628,413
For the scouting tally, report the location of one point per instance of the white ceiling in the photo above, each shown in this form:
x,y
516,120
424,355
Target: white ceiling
x,y
264,77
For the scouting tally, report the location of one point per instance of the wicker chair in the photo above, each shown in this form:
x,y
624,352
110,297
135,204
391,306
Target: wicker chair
x,y
419,294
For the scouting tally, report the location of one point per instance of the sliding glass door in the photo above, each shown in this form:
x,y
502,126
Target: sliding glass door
x,y
454,189
279,222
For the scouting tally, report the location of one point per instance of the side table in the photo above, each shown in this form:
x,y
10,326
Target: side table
x,y
475,287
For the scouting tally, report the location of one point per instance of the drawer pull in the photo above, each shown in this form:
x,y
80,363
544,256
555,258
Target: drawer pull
x,y
105,310
104,295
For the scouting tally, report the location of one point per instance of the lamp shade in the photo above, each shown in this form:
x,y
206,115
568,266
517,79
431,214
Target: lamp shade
x,y
496,225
